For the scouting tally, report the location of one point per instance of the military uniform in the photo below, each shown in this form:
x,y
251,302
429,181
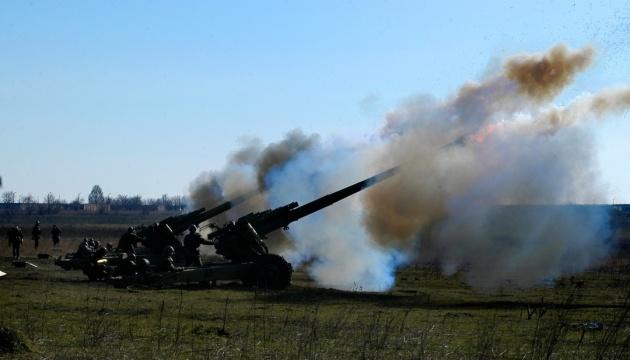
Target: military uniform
x,y
168,263
15,240
36,234
128,242
56,235
192,241
128,267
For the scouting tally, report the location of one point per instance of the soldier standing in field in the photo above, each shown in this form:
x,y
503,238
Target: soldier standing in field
x,y
36,233
15,240
56,235
192,241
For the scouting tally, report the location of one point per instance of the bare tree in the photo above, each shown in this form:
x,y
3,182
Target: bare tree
x,y
78,200
8,197
50,201
28,203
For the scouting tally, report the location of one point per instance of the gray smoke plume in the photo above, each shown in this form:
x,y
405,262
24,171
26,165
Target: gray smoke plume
x,y
245,173
498,143
338,249
482,175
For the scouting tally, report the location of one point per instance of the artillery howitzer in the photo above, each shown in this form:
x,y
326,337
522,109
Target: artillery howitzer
x,y
241,242
163,233
99,263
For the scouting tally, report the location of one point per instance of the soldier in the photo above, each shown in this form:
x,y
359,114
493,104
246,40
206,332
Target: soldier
x,y
56,235
192,241
36,233
169,263
15,236
128,267
129,241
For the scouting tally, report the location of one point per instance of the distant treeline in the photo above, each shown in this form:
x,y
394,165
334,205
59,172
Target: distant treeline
x,y
11,203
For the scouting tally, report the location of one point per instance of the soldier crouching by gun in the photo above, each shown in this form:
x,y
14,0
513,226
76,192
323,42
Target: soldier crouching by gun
x,y
168,262
192,241
129,241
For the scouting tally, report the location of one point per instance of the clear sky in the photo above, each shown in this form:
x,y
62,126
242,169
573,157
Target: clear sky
x,y
141,96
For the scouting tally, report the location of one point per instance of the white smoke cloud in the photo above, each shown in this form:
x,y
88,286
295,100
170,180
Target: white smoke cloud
x,y
339,250
471,167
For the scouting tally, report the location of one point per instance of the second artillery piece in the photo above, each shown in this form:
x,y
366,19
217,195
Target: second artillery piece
x,y
241,242
99,263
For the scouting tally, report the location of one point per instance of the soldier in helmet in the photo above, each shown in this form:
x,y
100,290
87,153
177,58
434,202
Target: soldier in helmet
x,y
128,266
56,235
36,233
15,236
168,263
129,241
192,241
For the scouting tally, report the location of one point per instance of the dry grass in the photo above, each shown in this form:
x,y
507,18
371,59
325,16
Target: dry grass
x,y
426,316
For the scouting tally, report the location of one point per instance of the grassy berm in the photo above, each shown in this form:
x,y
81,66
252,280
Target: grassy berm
x,y
55,314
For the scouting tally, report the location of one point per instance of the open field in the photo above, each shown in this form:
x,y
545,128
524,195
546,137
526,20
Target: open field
x,y
58,315
103,227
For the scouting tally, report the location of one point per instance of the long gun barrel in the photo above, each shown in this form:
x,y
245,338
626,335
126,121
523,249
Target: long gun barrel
x,y
330,199
180,223
202,215
267,221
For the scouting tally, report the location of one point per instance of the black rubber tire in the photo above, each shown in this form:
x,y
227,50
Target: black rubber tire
x,y
272,272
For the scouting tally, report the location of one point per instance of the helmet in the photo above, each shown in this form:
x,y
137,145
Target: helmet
x,y
37,222
143,263
131,257
130,229
169,250
192,228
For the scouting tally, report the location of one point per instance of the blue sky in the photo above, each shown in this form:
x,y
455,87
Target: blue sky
x,y
142,96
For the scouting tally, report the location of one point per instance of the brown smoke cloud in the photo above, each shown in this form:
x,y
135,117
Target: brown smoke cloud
x,y
543,77
277,154
495,143
246,172
481,173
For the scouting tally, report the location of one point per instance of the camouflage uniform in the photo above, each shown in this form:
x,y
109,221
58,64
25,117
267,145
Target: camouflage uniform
x,y
128,267
128,241
192,241
36,233
56,235
168,263
15,240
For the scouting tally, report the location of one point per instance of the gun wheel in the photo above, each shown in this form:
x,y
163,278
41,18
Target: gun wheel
x,y
272,272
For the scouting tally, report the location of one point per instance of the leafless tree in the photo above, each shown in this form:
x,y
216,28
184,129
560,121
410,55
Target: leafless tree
x,y
28,203
8,197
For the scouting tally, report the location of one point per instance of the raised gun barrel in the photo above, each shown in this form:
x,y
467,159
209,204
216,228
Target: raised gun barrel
x,y
180,223
240,241
155,237
298,212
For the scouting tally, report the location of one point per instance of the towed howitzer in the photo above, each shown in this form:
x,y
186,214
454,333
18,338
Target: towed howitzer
x,y
98,263
163,233
242,240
